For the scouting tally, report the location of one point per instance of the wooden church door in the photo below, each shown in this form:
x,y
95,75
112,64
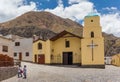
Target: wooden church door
x,y
67,58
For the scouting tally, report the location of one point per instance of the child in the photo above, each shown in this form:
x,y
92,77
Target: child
x,y
24,72
19,71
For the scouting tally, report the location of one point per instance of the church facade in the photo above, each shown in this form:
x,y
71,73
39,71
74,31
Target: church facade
x,y
67,48
60,49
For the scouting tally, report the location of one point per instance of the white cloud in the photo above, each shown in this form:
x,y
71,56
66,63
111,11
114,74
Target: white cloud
x,y
80,8
10,9
113,8
111,23
74,11
60,2
76,1
77,10
110,8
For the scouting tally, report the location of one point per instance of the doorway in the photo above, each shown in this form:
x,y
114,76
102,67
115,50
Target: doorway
x,y
67,58
35,58
41,59
20,56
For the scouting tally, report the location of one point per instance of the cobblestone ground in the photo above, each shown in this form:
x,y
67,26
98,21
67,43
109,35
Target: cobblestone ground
x,y
45,73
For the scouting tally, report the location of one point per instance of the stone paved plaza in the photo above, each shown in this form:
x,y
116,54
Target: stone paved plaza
x,y
46,73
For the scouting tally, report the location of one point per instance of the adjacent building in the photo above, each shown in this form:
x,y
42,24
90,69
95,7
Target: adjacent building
x,y
22,48
116,60
6,46
108,60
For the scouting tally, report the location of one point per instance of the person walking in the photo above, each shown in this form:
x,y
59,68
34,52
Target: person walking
x,y
19,71
24,72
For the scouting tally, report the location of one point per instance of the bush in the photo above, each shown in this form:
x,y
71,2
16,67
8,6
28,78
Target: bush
x,y
5,60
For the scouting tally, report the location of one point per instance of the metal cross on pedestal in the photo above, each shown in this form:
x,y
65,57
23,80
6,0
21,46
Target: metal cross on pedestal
x,y
92,45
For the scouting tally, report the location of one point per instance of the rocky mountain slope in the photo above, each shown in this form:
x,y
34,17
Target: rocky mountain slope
x,y
46,25
112,44
42,20
28,31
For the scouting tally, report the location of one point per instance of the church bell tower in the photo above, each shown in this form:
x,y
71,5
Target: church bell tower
x,y
92,44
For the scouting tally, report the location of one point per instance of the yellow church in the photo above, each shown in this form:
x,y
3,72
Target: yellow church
x,y
67,48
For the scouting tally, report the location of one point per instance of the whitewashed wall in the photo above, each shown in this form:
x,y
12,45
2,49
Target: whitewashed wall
x,y
6,42
108,60
25,46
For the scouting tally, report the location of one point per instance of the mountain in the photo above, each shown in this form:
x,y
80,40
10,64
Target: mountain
x,y
112,44
46,25
42,20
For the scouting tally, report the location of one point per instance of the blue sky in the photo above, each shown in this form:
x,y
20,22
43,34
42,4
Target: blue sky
x,y
76,10
98,4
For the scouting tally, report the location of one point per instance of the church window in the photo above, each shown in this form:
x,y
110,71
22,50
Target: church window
x,y
92,34
67,44
39,46
91,20
52,50
52,57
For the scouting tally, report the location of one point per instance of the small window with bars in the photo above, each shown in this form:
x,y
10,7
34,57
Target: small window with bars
x,y
5,48
27,53
15,54
17,43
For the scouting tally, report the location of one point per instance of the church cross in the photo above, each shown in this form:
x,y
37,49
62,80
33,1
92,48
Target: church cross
x,y
92,45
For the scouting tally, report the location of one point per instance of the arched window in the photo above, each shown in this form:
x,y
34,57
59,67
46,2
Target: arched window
x,y
39,46
92,34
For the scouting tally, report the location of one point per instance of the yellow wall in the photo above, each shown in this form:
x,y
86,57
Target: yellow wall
x,y
92,27
37,51
48,52
98,51
88,23
88,30
59,48
116,60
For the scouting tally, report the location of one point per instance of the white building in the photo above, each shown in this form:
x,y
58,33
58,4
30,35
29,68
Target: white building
x,y
108,60
23,49
6,47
